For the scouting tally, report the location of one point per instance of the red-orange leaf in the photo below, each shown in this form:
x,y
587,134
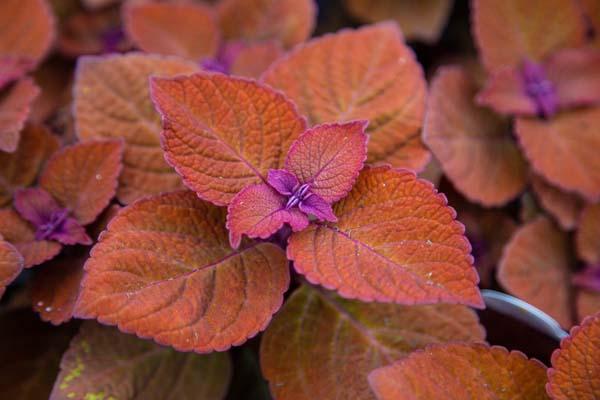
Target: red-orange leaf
x,y
508,32
21,168
322,347
564,207
103,363
461,372
291,21
15,104
535,268
368,74
575,372
187,30
473,145
587,238
112,101
83,177
569,161
421,20
11,264
27,34
254,59
164,269
395,240
221,133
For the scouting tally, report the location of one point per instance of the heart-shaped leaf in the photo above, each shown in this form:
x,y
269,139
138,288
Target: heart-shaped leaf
x,y
461,372
367,74
164,269
508,32
473,145
564,207
347,340
112,101
187,30
290,21
253,59
535,268
575,371
395,240
587,238
15,105
221,133
103,363
566,160
11,264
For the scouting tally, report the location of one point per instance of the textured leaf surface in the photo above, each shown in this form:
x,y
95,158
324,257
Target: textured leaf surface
x,y
461,372
222,134
254,59
575,372
291,21
507,32
112,101
535,268
15,105
164,269
423,20
395,240
564,207
103,363
21,234
27,34
329,82
11,264
569,161
180,29
348,339
84,177
587,238
473,145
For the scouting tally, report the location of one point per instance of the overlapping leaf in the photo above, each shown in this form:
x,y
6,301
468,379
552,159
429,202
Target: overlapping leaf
x,y
187,30
15,105
27,34
221,133
164,269
322,347
395,240
587,238
290,21
569,161
11,264
422,20
254,59
535,268
461,372
112,101
366,74
575,372
508,32
564,207
103,363
473,144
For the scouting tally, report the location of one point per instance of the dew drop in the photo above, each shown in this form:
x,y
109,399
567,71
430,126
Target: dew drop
x,y
428,242
48,309
98,177
40,303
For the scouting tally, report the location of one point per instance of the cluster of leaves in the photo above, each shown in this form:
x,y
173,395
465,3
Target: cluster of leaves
x,y
189,174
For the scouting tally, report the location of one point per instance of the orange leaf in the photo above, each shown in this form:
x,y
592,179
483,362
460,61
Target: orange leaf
x,y
419,20
510,31
27,34
322,347
591,11
396,240
473,144
588,303
112,101
575,372
461,372
566,160
535,268
187,30
221,133
564,207
254,59
15,105
164,270
103,363
368,74
11,264
291,21
587,237
83,177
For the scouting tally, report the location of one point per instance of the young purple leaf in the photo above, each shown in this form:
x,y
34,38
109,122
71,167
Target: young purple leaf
x,y
539,88
589,278
224,59
50,220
